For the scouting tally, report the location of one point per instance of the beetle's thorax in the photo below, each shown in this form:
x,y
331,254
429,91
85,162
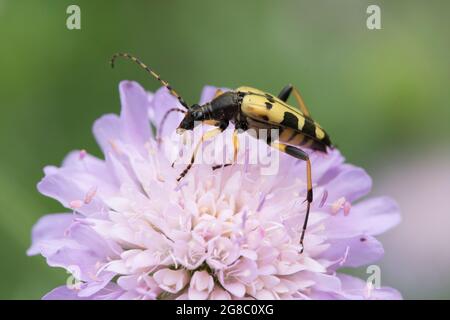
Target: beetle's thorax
x,y
224,107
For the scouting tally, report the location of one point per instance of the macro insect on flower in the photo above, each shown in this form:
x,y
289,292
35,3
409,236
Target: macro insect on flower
x,y
246,108
134,231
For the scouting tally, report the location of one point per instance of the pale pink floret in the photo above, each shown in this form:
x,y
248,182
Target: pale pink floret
x,y
171,280
201,285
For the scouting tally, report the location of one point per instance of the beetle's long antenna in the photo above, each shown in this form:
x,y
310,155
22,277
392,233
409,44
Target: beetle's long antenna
x,y
150,71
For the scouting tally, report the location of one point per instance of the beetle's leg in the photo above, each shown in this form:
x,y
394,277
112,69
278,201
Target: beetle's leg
x,y
235,151
235,145
206,136
218,93
213,123
300,154
221,166
163,121
286,92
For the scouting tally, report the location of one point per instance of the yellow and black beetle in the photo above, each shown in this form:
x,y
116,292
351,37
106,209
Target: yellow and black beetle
x,y
247,108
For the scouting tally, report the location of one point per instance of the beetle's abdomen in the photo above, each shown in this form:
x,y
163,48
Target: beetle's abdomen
x,y
296,138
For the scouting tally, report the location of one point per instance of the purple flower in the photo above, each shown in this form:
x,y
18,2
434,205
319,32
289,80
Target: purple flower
x,y
131,231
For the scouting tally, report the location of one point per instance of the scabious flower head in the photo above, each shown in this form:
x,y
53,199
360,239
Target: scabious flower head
x,y
131,231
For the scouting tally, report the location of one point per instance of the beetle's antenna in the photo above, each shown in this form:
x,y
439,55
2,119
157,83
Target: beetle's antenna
x,y
150,71
161,125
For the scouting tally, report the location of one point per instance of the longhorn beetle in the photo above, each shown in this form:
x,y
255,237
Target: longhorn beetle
x,y
249,108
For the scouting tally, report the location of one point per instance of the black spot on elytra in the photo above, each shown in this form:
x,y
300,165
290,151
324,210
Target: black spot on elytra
x,y
290,121
265,118
268,105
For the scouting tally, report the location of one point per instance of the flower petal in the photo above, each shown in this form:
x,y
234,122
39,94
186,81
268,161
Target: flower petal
x,y
161,103
351,183
354,286
107,129
49,227
110,292
209,92
134,114
69,187
354,252
371,217
74,246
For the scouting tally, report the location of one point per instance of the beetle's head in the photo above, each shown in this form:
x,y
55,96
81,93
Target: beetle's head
x,y
192,118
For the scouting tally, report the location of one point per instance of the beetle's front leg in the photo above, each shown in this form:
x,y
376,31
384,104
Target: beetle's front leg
x,y
235,145
239,127
206,136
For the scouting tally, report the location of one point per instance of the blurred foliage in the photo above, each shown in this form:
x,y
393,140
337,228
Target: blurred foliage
x,y
375,91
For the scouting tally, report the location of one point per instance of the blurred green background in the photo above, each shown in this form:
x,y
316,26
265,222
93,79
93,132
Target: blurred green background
x,y
382,95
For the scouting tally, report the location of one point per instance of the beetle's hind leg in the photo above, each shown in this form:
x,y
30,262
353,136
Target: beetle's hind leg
x,y
300,154
285,93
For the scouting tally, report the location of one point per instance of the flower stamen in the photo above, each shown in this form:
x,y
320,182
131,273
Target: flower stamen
x,y
90,195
